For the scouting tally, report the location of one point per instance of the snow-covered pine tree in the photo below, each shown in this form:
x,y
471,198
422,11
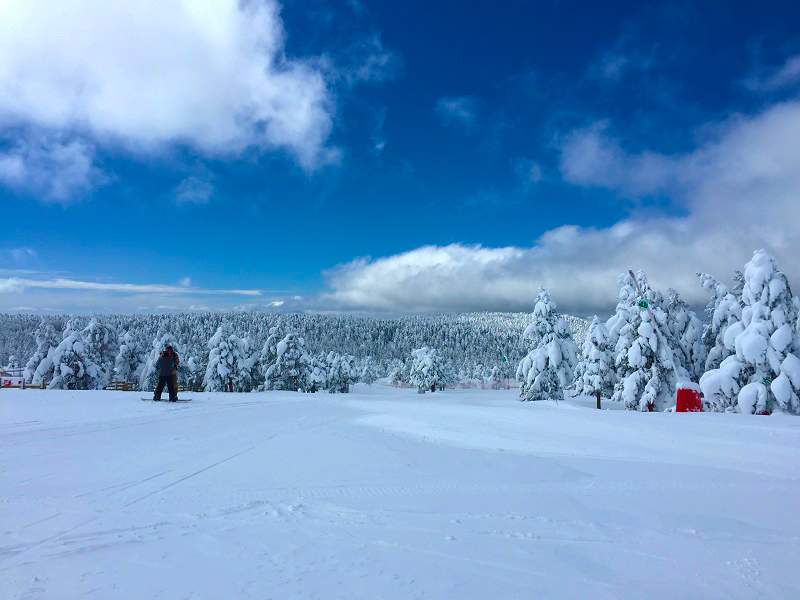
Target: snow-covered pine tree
x,y
723,310
548,368
248,365
269,354
100,347
369,371
291,368
764,373
318,374
426,369
796,302
399,372
646,379
499,377
69,367
224,355
687,331
596,368
195,372
128,363
341,371
47,340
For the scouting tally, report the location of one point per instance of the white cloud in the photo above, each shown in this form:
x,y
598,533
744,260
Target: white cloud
x,y
54,169
12,168
739,189
616,63
378,135
11,285
369,62
244,307
460,110
528,172
17,284
80,297
185,281
194,190
209,73
21,254
592,157
774,79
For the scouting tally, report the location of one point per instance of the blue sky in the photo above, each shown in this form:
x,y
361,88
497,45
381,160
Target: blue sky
x,y
390,156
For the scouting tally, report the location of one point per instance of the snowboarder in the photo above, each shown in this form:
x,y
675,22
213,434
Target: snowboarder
x,y
166,366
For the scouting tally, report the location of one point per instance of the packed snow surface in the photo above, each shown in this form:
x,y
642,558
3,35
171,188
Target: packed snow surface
x,y
387,493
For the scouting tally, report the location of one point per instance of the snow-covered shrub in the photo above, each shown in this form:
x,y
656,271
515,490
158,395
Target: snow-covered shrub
x,y
498,378
721,386
426,369
291,368
764,373
548,368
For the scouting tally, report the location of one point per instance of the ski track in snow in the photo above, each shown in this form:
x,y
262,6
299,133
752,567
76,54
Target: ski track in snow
x,y
389,494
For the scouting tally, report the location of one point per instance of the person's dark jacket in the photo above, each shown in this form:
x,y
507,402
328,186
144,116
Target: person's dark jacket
x,y
165,365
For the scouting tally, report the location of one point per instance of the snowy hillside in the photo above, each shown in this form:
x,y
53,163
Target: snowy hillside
x,y
386,493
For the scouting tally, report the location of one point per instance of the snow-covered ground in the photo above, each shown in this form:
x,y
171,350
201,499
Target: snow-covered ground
x,y
389,494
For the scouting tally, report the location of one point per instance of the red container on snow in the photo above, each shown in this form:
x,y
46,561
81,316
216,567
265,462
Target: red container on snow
x,y
688,398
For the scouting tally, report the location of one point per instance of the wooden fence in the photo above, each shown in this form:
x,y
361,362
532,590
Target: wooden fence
x,y
117,386
121,386
23,386
132,386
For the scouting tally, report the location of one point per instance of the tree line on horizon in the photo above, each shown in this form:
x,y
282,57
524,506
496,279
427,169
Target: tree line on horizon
x,y
744,355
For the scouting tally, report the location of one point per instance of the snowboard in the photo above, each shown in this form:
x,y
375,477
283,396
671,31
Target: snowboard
x,y
167,400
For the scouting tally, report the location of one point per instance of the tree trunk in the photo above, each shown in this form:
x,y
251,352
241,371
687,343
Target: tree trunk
x,y
597,395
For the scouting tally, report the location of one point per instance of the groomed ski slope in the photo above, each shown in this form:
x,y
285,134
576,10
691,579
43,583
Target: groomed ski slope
x,y
389,494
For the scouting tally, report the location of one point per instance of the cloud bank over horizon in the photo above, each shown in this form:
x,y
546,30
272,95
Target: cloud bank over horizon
x,y
740,189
